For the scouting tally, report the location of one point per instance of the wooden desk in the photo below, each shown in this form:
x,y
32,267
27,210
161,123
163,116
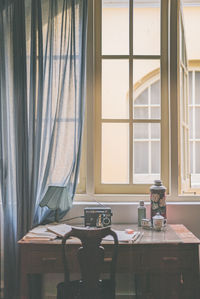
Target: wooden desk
x,y
166,263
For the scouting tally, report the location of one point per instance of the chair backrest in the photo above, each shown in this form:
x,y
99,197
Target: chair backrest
x,y
91,258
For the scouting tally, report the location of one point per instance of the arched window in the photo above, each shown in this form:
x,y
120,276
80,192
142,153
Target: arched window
x,y
194,125
146,145
147,136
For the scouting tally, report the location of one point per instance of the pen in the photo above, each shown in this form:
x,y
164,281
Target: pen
x,y
140,237
135,237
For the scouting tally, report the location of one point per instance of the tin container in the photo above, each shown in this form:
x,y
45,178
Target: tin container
x,y
146,223
158,200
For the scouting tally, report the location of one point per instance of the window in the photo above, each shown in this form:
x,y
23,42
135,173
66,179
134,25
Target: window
x,y
194,118
146,146
190,107
144,123
132,134
184,183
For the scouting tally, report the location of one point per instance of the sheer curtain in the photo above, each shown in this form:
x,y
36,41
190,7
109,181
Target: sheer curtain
x,y
42,90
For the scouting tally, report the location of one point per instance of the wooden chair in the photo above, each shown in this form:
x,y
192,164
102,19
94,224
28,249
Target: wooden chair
x,y
91,259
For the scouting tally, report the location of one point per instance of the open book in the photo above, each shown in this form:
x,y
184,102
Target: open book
x,y
59,229
40,233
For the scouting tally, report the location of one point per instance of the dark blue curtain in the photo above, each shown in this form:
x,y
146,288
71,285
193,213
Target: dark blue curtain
x,y
42,91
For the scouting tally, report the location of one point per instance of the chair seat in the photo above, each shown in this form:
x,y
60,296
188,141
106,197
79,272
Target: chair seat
x,y
73,290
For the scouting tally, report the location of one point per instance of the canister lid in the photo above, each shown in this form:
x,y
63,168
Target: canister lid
x,y
158,186
158,182
158,216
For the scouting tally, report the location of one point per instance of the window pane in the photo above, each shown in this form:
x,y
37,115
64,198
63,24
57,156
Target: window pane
x,y
186,97
146,28
146,131
197,158
191,122
115,27
155,112
140,131
155,93
197,122
197,87
145,90
142,99
115,86
155,131
184,156
115,153
141,157
191,157
155,157
144,71
190,87
182,94
140,113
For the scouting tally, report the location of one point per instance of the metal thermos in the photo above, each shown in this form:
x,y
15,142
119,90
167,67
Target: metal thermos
x,y
141,212
158,199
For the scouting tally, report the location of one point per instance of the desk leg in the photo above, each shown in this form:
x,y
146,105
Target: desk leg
x,y
31,286
195,283
24,286
35,286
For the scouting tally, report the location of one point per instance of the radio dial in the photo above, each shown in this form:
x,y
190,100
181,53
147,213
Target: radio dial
x,y
106,220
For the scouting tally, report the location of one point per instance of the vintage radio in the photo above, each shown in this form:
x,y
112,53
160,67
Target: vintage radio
x,y
97,217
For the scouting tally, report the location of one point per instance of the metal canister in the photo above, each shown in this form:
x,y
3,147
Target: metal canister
x,y
158,199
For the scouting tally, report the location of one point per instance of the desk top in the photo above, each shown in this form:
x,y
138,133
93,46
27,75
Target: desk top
x,y
172,234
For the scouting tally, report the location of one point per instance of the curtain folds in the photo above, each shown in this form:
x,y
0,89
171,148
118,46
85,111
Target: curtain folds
x,y
42,91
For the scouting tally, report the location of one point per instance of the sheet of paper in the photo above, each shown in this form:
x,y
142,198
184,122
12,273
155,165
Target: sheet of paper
x,y
122,236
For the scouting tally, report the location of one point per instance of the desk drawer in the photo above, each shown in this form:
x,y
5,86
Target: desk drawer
x,y
41,261
49,260
171,260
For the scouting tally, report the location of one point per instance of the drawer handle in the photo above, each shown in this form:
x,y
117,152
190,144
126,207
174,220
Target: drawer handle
x,y
170,259
49,259
107,259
